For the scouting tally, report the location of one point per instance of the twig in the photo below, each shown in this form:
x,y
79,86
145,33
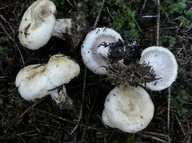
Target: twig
x,y
189,134
14,42
73,4
168,113
82,104
22,59
158,21
55,116
27,110
156,1
89,115
152,137
154,134
180,125
84,126
99,14
143,7
169,90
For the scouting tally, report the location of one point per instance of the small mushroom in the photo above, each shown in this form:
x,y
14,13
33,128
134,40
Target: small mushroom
x,y
128,108
38,24
94,49
163,63
37,81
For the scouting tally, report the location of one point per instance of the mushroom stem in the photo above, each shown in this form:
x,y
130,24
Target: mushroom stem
x,y
61,98
57,96
72,29
103,50
62,27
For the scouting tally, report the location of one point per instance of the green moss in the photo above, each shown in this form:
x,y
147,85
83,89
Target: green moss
x,y
170,6
123,17
181,14
179,101
5,50
168,41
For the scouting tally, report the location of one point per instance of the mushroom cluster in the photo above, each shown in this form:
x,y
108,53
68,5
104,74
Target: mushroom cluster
x,y
128,106
37,26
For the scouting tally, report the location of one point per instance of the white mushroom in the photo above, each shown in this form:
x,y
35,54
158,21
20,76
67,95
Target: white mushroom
x,y
37,81
164,64
38,24
128,108
94,50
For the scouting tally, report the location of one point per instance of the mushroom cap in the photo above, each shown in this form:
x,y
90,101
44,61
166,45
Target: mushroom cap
x,y
163,62
36,81
89,49
128,108
37,24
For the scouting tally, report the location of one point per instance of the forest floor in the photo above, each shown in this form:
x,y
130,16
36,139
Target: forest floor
x,y
148,22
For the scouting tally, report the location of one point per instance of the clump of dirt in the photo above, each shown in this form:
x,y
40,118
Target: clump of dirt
x,y
133,73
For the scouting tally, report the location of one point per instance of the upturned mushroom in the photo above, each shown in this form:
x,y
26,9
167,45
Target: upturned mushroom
x,y
102,45
37,81
128,108
38,24
163,63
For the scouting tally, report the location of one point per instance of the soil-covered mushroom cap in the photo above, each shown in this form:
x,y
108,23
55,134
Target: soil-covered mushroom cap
x,y
37,81
37,24
128,108
164,64
90,48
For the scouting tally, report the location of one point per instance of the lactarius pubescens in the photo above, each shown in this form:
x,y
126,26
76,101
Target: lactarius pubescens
x,y
164,64
93,50
128,108
38,24
37,81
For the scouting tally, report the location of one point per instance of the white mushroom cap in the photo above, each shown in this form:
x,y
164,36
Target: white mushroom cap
x,y
90,48
128,108
37,81
163,62
37,24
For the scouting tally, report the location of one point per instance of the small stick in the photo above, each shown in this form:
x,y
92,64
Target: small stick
x,y
15,44
169,90
168,113
155,134
143,7
153,137
57,117
82,104
89,115
99,14
27,110
158,20
180,125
